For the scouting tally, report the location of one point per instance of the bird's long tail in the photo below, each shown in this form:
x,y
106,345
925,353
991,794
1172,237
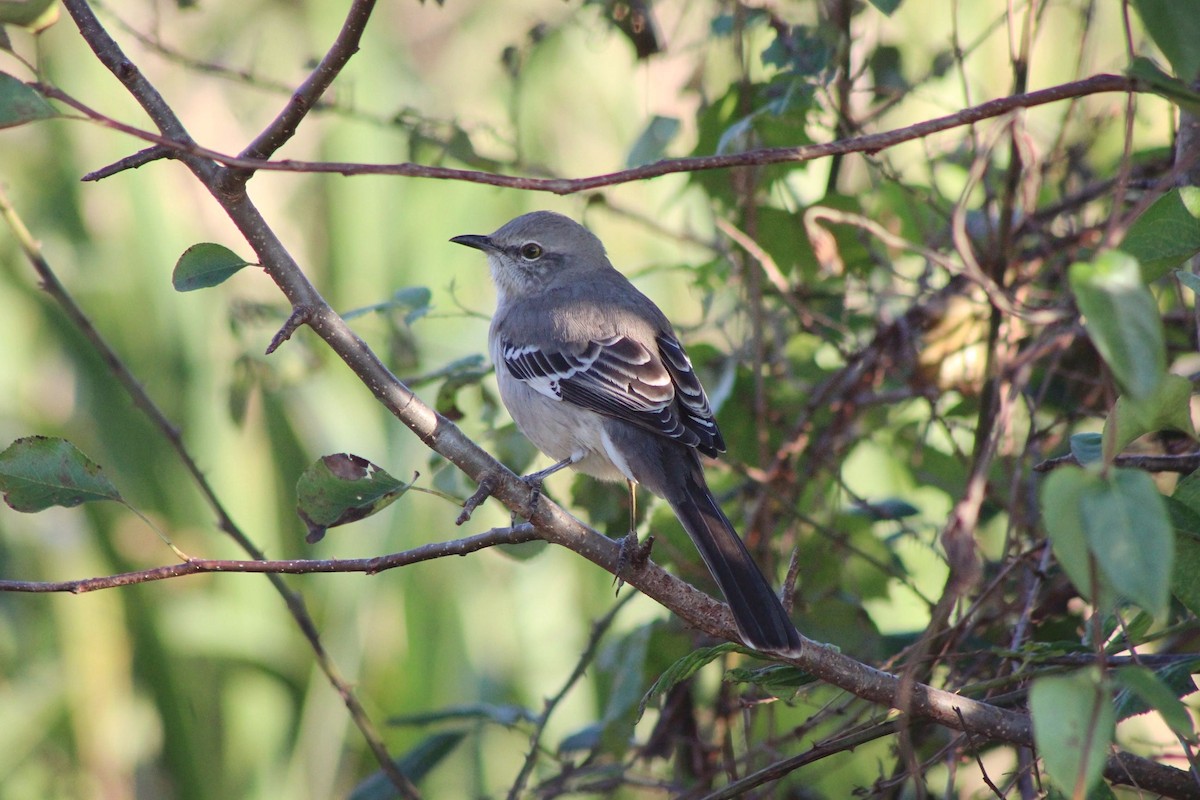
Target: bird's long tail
x,y
756,608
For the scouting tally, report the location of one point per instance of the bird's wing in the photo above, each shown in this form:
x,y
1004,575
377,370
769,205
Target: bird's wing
x,y
654,388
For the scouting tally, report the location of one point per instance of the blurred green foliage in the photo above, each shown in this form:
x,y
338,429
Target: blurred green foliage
x,y
856,378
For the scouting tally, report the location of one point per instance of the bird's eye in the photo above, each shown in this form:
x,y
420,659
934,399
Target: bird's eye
x,y
531,251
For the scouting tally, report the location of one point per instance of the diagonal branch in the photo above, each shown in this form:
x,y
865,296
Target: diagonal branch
x,y
284,126
141,398
550,521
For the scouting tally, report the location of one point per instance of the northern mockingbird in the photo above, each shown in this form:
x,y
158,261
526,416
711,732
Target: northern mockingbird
x,y
593,374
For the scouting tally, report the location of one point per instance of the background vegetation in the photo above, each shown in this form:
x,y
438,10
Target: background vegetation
x,y
891,329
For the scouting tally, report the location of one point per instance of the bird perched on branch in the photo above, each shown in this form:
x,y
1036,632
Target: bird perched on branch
x,y
593,374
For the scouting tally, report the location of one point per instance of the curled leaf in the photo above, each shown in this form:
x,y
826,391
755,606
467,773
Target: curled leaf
x,y
343,488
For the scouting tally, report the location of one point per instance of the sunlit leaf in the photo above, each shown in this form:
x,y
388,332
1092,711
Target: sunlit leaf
x,y
37,15
343,488
1189,279
38,472
1073,728
1166,234
775,678
1167,408
1168,87
20,103
1154,694
652,144
1122,320
1174,26
204,265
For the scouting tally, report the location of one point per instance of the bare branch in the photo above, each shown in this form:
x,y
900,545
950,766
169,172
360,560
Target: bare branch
x,y
518,534
283,127
870,143
1183,463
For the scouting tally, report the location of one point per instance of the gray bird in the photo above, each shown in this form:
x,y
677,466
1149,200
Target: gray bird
x,y
593,374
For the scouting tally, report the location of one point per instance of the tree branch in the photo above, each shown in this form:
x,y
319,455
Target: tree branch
x,y
549,520
284,126
517,534
870,143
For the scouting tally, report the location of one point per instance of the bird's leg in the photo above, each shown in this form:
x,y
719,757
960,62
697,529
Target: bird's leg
x,y
488,483
534,479
633,553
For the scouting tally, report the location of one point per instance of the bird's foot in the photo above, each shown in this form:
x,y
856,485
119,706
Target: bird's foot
x,y
534,482
634,555
486,485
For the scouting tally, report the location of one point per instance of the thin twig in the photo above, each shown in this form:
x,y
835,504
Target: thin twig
x,y
551,521
142,400
870,143
599,628
111,56
284,126
517,534
1182,463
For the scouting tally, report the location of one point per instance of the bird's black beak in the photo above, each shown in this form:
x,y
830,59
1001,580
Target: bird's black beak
x,y
475,240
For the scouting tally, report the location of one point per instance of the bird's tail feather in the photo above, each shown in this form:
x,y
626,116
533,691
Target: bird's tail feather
x,y
760,617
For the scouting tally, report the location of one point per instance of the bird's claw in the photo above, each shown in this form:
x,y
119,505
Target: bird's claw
x,y
634,554
534,482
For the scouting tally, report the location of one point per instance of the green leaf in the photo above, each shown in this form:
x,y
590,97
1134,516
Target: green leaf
x,y
1062,513
1167,408
1189,279
888,7
1086,447
343,488
622,667
584,740
204,265
38,472
414,301
683,669
1072,727
20,103
1143,684
1174,25
891,508
1122,320
470,372
1166,234
1187,492
1151,77
1184,584
1184,508
507,716
652,144
37,15
777,679
414,765
1128,531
